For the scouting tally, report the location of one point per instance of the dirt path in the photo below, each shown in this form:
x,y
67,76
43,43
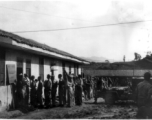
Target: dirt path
x,y
87,110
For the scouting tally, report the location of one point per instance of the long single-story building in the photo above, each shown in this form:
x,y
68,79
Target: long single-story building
x,y
21,55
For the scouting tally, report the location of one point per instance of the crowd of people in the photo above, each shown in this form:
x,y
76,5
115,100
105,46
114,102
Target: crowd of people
x,y
67,90
72,89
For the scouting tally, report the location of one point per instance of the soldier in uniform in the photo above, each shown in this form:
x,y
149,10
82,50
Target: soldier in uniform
x,y
70,92
97,88
144,96
88,87
39,92
61,90
79,90
84,88
54,89
47,91
24,91
19,90
33,90
27,91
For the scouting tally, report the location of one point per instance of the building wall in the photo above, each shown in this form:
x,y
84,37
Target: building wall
x,y
57,71
72,65
11,57
35,66
67,67
6,98
47,68
79,70
60,67
72,68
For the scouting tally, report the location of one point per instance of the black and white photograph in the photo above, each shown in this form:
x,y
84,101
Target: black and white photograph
x,y
75,59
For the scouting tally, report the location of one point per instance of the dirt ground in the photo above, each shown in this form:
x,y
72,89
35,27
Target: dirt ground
x,y
87,111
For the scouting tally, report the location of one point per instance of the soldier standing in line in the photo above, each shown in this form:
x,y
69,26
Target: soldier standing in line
x,y
27,84
36,92
88,87
39,92
85,89
47,91
19,90
97,88
70,92
54,89
24,90
91,88
144,97
61,90
33,90
79,91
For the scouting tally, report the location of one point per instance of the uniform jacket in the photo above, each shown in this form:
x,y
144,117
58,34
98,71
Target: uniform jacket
x,y
33,84
48,85
39,89
61,84
143,93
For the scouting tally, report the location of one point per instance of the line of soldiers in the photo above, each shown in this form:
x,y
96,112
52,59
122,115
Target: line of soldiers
x,y
40,93
71,90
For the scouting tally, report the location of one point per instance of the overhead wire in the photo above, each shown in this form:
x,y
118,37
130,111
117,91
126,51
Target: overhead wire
x,y
48,14
72,28
84,27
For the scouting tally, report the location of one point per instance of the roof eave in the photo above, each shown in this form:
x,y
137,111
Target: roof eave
x,y
47,52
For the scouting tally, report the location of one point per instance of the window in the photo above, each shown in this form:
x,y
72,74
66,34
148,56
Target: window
x,y
11,73
69,69
41,61
19,62
2,67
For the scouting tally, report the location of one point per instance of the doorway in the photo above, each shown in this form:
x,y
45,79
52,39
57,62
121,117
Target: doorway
x,y
19,71
19,68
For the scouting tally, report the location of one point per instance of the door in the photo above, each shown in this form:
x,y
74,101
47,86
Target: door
x,y
2,67
19,71
19,68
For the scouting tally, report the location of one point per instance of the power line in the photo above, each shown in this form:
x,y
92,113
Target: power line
x,y
47,14
81,27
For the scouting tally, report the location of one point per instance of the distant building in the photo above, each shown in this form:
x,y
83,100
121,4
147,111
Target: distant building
x,y
21,55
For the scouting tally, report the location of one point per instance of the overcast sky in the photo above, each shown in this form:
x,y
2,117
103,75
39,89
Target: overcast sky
x,y
112,42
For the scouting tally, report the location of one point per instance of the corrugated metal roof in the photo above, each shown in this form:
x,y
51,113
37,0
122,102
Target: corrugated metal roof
x,y
143,64
33,43
131,73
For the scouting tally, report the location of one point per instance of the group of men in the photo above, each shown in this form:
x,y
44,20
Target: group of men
x,y
29,91
39,93
71,90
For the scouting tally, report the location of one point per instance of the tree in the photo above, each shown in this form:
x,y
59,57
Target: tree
x,y
107,61
137,56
